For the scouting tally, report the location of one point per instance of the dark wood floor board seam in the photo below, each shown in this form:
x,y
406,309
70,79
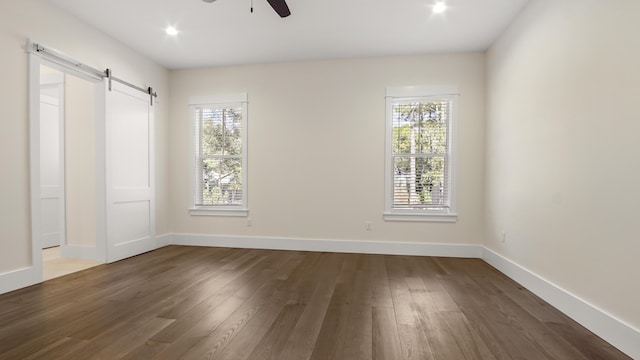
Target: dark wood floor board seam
x,y
228,336
209,307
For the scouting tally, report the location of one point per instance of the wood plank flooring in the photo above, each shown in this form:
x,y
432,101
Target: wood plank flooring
x,y
217,303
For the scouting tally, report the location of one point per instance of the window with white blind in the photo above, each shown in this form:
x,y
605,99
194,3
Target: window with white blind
x,y
219,126
420,161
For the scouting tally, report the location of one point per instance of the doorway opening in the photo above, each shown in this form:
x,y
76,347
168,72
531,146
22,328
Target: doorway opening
x,y
67,172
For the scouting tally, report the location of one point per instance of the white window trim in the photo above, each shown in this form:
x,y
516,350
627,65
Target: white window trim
x,y
221,100
217,211
430,215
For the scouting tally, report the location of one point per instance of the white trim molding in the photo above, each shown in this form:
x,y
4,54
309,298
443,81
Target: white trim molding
x,y
405,95
22,278
217,102
621,335
339,246
412,91
164,240
218,211
18,279
615,331
433,217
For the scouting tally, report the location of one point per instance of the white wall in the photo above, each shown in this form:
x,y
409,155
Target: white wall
x,y
563,85
49,25
316,147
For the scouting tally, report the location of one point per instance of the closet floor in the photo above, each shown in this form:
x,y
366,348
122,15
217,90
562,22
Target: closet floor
x,y
54,265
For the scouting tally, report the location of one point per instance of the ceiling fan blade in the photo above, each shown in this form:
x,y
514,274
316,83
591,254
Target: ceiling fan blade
x,y
280,6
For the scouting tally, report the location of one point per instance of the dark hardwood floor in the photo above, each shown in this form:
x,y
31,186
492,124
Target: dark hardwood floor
x,y
216,303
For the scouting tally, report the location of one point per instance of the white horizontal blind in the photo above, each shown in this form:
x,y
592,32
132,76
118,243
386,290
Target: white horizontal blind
x,y
420,153
219,165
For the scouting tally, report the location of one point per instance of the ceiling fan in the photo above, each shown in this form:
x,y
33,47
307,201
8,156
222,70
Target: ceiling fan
x,y
280,6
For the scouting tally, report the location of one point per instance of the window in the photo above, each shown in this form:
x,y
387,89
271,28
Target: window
x,y
420,160
220,155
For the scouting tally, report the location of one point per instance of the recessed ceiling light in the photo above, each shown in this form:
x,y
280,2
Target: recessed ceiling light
x,y
439,7
171,31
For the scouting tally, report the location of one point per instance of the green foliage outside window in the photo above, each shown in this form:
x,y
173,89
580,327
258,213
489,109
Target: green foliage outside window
x,y
419,152
221,149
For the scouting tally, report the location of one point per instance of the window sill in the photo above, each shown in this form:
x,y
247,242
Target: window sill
x,y
424,217
212,211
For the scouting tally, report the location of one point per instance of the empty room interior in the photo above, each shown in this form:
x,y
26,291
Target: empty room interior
x,y
409,179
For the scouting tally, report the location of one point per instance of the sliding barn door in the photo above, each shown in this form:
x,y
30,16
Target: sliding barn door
x,y
129,173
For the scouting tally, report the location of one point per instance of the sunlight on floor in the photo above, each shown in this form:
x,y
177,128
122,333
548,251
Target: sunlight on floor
x,y
54,265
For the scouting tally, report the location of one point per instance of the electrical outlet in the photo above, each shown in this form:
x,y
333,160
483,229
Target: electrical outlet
x,y
503,238
368,225
249,222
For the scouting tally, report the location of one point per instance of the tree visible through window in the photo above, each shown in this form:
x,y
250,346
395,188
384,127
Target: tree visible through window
x,y
219,155
419,156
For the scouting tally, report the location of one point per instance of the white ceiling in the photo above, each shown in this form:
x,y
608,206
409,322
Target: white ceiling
x,y
226,33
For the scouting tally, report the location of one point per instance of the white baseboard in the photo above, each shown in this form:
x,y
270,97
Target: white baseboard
x,y
84,252
164,240
340,246
21,278
18,279
619,334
